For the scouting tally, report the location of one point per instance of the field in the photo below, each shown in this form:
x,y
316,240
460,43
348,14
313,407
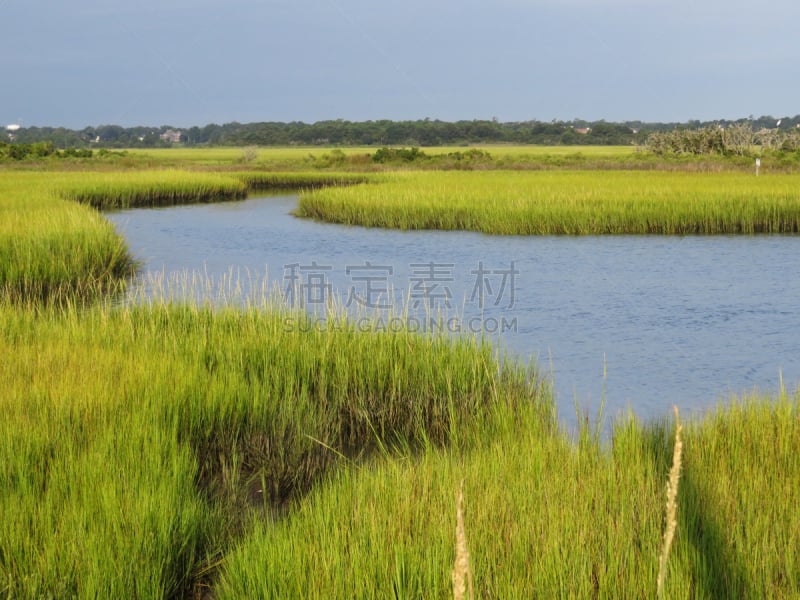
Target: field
x,y
226,156
361,159
182,450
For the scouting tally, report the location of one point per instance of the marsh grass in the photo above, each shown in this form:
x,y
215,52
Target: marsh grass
x,y
153,449
154,188
262,180
54,245
548,518
139,441
566,202
52,249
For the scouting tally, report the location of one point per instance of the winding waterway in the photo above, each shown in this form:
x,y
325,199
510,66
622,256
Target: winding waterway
x,y
672,320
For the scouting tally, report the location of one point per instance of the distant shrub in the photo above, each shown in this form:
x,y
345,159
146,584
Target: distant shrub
x,y
105,153
18,151
791,143
249,154
709,140
474,154
387,155
335,158
40,150
734,140
76,153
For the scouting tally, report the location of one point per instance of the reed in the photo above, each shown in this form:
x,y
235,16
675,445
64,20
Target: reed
x,y
462,575
671,521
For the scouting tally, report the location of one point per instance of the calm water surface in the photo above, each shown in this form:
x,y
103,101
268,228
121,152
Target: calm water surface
x,y
675,320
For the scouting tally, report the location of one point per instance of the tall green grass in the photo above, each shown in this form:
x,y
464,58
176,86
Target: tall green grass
x,y
149,450
52,248
170,187
155,188
564,202
546,517
161,449
265,180
55,246
137,442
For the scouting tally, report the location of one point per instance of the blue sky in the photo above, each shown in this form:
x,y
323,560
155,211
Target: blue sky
x,y
148,62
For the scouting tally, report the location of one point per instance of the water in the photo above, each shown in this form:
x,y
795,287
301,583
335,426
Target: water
x,y
672,320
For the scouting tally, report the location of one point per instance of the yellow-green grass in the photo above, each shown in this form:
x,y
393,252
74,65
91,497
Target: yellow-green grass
x,y
149,188
548,518
136,443
232,155
359,159
148,450
266,180
139,444
273,158
50,247
500,156
567,202
223,155
53,244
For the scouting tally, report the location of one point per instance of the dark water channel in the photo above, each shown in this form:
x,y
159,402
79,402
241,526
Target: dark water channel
x,y
675,320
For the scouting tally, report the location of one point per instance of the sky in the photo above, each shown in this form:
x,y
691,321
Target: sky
x,y
181,63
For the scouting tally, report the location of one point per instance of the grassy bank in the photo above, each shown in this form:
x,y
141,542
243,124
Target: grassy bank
x,y
52,248
264,180
153,188
55,245
567,202
138,443
155,451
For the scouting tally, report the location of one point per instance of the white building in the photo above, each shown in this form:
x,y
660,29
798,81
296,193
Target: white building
x,y
12,131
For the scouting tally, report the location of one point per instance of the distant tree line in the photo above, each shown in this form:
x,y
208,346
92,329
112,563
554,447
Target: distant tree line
x,y
425,132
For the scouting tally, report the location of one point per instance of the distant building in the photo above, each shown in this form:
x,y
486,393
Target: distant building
x,y
583,130
172,136
12,131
